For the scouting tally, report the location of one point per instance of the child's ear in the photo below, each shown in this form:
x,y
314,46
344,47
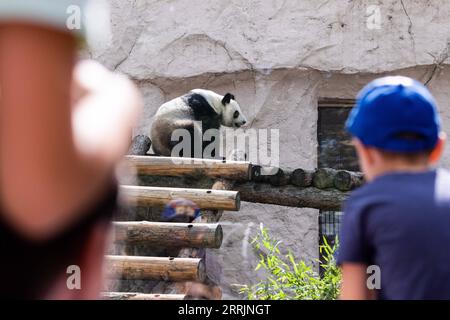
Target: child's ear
x,y
362,151
438,150
366,158
227,98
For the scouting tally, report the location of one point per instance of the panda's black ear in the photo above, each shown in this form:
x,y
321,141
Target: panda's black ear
x,y
227,98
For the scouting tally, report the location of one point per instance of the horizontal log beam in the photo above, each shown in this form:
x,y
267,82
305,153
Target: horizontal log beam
x,y
163,234
323,199
155,268
323,178
348,180
274,176
204,198
291,196
141,296
172,166
302,178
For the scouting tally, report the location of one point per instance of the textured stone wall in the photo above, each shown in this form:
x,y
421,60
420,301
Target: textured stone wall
x,y
278,57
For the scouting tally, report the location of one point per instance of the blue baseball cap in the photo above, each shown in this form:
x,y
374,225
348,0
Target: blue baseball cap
x,y
390,110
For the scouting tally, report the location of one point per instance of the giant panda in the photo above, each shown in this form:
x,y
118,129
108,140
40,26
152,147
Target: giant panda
x,y
184,112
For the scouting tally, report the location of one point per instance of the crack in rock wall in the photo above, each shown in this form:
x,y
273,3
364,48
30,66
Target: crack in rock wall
x,y
185,38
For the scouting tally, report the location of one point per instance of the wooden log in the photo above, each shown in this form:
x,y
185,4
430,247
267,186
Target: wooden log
x,y
318,198
280,178
291,196
155,268
163,234
348,180
209,290
258,174
324,178
173,166
214,215
302,178
272,175
158,197
141,296
140,145
255,174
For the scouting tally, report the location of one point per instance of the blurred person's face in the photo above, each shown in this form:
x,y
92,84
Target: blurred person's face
x,y
190,211
179,210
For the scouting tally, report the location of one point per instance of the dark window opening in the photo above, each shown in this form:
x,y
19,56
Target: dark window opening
x,y
336,151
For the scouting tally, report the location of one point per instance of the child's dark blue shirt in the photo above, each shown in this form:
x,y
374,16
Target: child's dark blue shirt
x,y
401,223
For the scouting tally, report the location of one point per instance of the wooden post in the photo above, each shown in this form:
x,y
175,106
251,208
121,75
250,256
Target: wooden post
x,y
274,176
324,178
302,178
155,268
141,296
280,178
255,174
288,195
163,234
172,166
158,197
347,180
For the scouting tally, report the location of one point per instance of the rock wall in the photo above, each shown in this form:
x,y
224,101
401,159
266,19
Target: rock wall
x,y
278,57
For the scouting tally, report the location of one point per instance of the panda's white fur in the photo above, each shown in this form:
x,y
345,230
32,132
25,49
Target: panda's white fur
x,y
184,112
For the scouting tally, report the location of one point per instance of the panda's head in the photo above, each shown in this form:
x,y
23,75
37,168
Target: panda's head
x,y
232,115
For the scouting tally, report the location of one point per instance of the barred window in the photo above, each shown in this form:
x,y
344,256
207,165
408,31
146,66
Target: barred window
x,y
330,223
335,151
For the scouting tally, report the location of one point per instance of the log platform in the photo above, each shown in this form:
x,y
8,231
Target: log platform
x,y
171,166
165,234
141,296
186,275
159,197
155,268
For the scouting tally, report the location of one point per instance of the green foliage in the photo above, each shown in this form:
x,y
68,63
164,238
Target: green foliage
x,y
288,279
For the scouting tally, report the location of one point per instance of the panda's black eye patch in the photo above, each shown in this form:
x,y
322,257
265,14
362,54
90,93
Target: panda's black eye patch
x,y
236,114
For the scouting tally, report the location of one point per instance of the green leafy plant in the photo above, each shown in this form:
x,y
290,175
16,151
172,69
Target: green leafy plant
x,y
289,279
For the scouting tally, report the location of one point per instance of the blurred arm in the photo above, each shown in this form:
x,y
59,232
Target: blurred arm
x,y
354,283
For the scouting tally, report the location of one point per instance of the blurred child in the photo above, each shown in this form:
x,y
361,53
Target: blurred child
x,y
180,210
63,127
399,221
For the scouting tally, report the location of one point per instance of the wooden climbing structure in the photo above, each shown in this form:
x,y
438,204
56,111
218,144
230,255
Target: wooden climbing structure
x,y
177,274
215,186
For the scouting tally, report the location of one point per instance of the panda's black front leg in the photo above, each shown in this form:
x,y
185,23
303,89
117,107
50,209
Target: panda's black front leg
x,y
211,138
211,145
190,142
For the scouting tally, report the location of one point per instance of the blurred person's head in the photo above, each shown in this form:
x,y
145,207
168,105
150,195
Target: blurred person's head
x,y
180,210
395,127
